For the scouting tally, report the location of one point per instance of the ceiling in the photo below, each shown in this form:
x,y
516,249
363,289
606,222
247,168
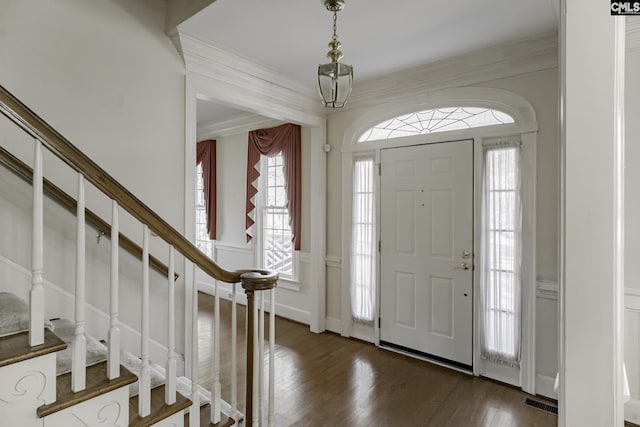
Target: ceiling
x,y
379,37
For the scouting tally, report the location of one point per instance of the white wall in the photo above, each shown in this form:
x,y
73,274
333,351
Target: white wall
x,y
104,74
540,88
632,231
293,300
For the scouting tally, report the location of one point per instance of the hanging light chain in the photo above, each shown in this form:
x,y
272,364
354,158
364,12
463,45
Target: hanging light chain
x,y
335,54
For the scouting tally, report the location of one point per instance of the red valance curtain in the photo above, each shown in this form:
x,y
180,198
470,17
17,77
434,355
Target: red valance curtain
x,y
269,142
206,155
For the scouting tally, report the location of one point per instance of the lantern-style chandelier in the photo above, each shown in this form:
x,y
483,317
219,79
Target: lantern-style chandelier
x,y
334,78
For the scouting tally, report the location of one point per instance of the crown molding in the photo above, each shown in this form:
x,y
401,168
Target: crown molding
x,y
506,60
633,33
244,75
236,125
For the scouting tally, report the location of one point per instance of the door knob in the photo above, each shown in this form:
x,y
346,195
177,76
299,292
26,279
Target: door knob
x,y
462,266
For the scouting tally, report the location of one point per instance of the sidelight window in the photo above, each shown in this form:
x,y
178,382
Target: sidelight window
x,y
363,247
501,244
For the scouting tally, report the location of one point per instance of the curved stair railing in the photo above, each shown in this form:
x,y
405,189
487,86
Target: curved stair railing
x,y
252,280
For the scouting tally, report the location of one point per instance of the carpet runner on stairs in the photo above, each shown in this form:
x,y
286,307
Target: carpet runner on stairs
x,y
14,317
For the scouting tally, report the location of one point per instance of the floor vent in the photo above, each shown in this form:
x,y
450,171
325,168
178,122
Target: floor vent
x,y
542,406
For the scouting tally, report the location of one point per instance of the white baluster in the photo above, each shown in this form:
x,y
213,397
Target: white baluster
x,y
113,365
79,347
261,358
272,357
194,412
215,393
144,396
170,386
256,366
234,352
36,293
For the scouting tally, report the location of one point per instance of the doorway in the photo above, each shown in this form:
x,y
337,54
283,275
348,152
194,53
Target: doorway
x,y
426,258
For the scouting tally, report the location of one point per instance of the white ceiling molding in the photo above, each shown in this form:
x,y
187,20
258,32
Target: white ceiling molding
x,y
633,33
244,76
236,125
514,58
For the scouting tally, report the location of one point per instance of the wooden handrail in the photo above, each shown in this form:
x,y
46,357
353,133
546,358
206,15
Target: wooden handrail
x,y
56,194
33,125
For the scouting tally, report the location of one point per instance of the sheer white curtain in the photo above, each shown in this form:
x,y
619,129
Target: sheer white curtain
x,y
501,252
363,242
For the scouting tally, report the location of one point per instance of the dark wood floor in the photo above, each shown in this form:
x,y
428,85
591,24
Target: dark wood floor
x,y
328,380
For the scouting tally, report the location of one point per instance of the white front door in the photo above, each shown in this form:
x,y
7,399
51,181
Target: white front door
x,y
426,232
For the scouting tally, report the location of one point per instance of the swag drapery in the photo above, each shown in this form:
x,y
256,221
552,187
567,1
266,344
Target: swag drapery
x,y
269,142
206,155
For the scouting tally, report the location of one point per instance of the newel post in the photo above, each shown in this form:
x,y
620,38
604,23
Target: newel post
x,y
252,281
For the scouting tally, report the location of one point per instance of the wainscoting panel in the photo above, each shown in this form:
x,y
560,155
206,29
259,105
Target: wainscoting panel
x,y
632,352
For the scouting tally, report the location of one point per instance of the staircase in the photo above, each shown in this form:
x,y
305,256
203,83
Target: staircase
x,y
54,373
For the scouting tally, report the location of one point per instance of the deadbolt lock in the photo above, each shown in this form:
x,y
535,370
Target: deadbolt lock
x,y
466,254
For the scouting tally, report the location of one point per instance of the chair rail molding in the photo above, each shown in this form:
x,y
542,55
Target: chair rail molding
x,y
547,289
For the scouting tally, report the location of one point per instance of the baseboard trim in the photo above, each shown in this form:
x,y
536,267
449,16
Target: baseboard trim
x,y
333,325
632,411
544,386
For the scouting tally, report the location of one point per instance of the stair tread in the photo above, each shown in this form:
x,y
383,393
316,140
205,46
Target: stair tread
x,y
159,409
15,348
205,414
97,384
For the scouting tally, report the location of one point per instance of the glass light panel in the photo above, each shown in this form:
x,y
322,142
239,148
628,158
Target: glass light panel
x,y
363,246
277,245
334,81
435,120
501,256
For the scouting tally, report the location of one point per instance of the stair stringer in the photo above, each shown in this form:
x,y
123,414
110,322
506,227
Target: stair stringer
x,y
25,386
109,409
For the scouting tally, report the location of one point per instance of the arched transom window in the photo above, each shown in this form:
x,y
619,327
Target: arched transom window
x,y
436,120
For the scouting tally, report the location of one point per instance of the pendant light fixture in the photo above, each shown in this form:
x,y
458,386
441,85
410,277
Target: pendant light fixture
x,y
334,78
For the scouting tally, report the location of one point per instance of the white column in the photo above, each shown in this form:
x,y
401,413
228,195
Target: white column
x,y
216,392
170,386
113,364
144,396
36,293
318,200
79,346
592,94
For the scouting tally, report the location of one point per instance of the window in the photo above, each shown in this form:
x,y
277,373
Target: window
x,y
435,120
363,242
202,236
277,245
501,242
